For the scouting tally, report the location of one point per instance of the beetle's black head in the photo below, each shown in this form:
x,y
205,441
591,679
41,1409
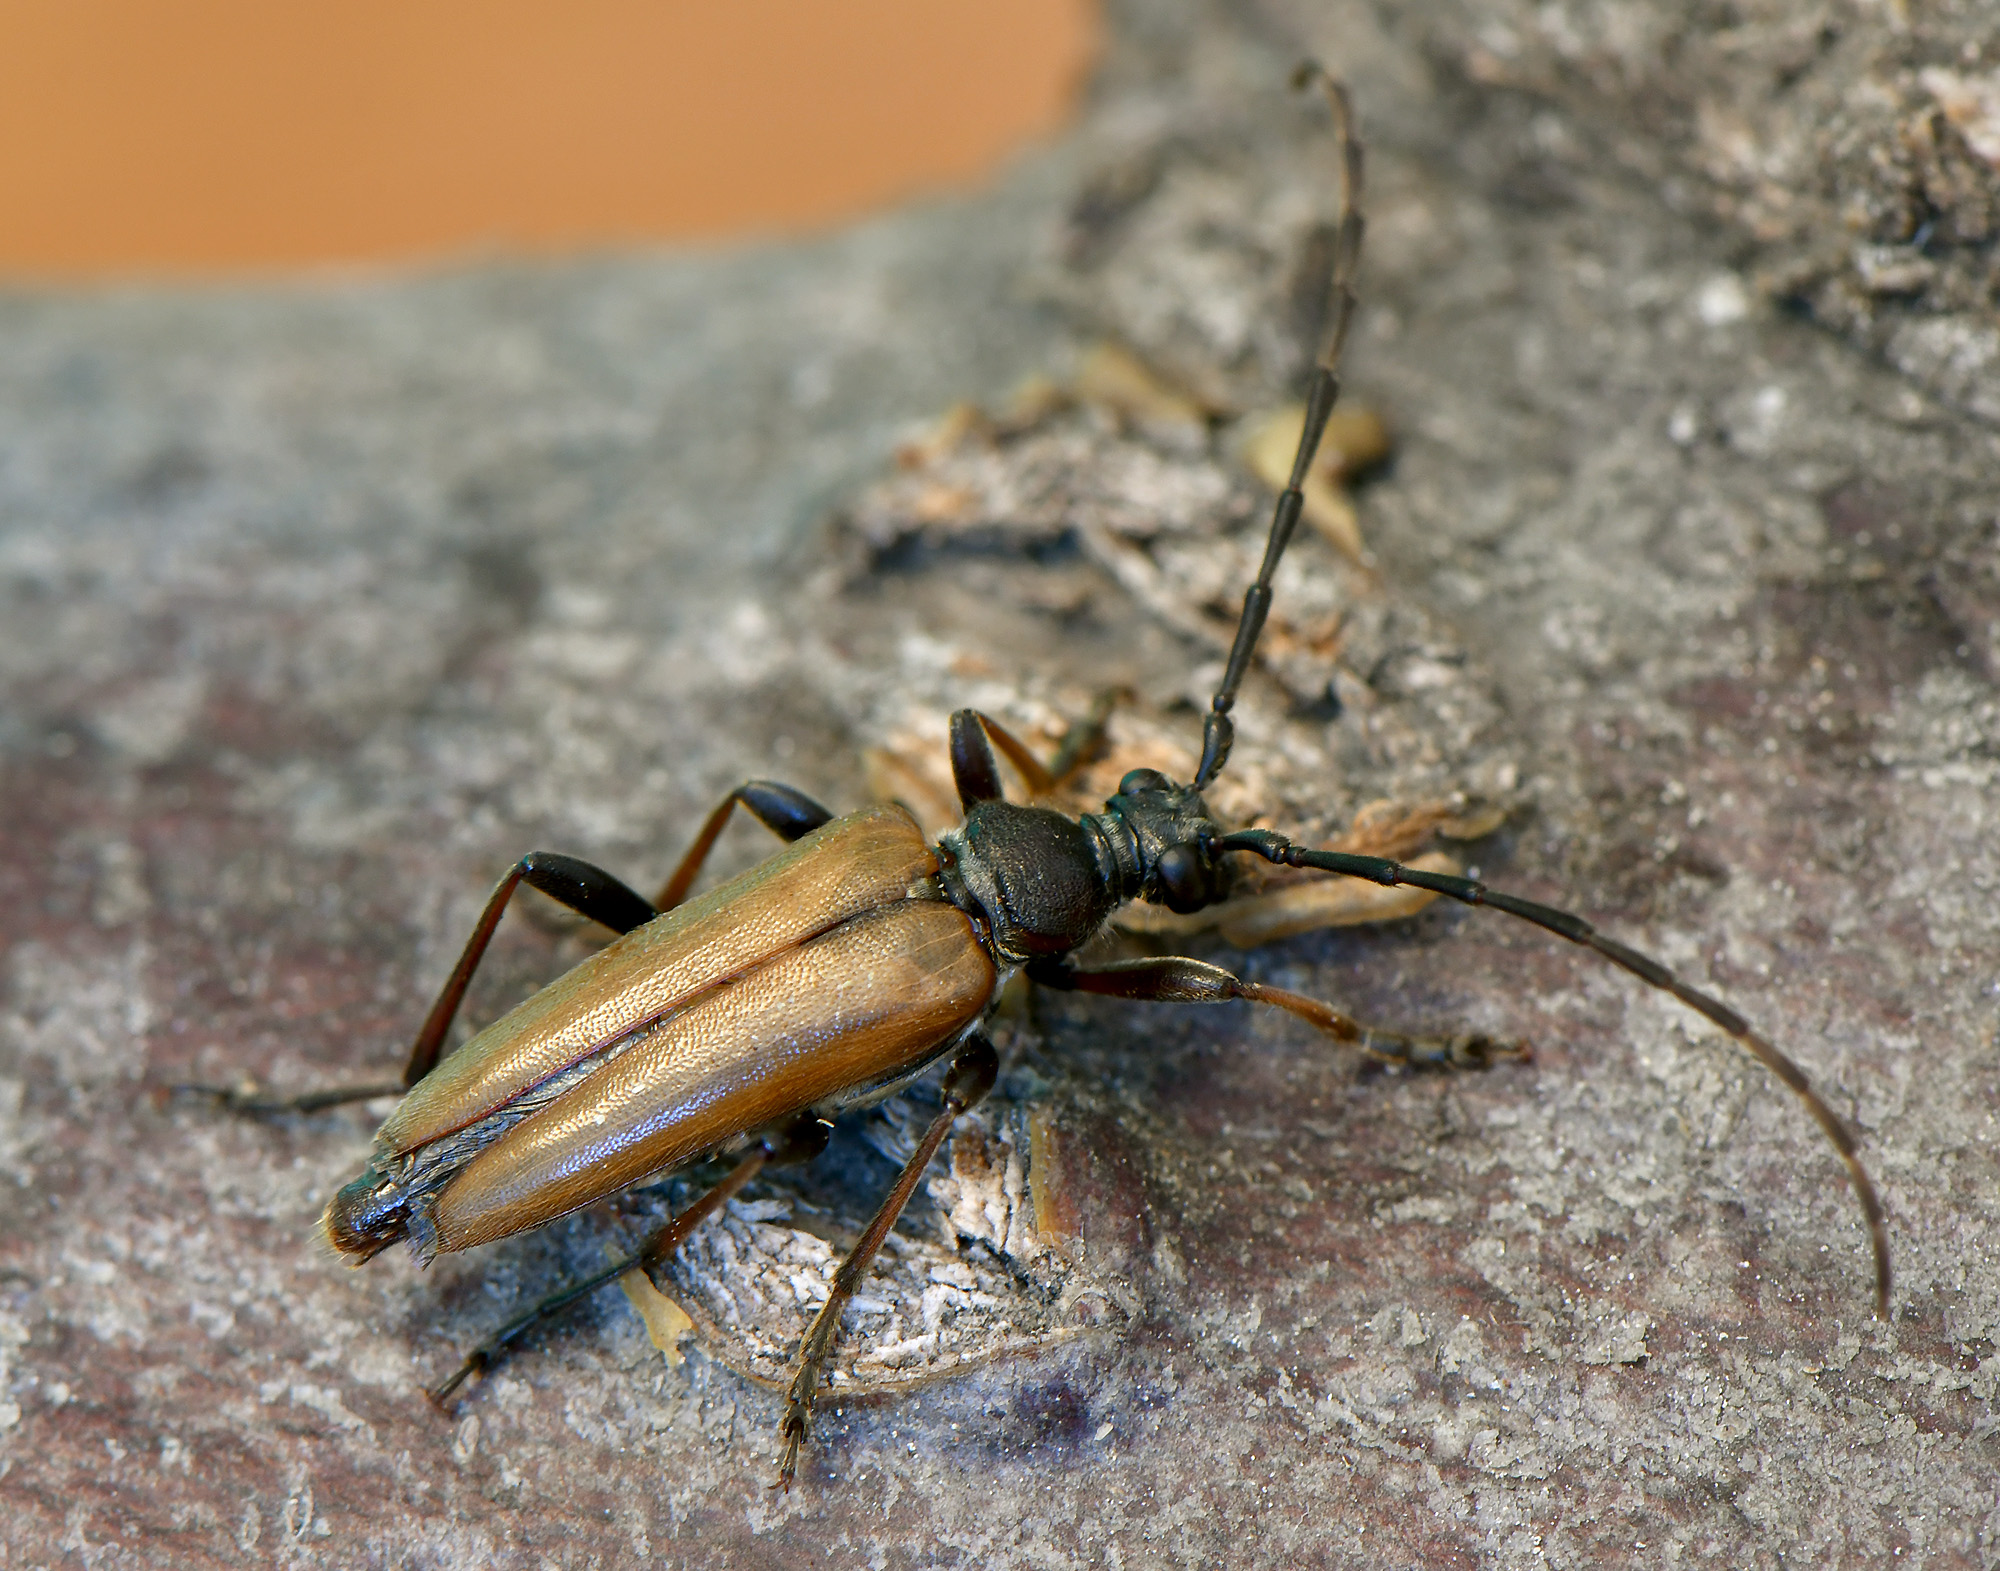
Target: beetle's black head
x,y
1041,884
1163,840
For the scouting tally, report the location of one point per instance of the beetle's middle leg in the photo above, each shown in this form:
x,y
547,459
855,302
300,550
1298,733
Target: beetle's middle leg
x,y
1174,979
966,1083
801,1141
787,813
585,888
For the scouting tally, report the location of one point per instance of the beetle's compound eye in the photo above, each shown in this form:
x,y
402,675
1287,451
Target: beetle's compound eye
x,y
1183,879
1138,780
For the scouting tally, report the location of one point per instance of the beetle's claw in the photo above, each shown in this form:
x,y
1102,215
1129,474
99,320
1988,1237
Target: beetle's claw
x,y
440,1395
1479,1051
794,1431
245,1096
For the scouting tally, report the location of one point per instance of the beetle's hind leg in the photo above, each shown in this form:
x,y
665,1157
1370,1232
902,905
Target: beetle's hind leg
x,y
1174,979
586,889
970,1077
800,1142
582,886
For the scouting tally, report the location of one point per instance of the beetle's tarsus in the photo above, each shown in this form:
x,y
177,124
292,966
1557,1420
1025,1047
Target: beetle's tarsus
x,y
1461,1051
793,1429
252,1100
476,1362
238,1098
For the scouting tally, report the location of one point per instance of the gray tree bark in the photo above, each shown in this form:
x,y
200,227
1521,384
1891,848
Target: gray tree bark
x,y
323,602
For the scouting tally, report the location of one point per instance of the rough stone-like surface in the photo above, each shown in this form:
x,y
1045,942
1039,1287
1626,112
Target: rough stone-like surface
x,y
1851,148
319,605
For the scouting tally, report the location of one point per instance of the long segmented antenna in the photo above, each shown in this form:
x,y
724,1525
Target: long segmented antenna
x,y
1218,730
1276,848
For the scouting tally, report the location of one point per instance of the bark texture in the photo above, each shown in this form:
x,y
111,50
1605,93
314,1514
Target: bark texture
x,y
318,605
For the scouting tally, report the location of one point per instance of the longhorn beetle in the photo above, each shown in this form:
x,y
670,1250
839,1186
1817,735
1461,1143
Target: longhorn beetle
x,y
741,1022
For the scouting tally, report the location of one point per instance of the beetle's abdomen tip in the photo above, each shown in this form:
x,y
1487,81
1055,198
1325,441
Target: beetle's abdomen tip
x,y
366,1217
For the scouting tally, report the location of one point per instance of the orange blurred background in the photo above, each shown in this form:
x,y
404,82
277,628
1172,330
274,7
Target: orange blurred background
x,y
178,136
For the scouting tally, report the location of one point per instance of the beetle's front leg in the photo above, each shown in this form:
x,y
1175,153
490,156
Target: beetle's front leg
x,y
1174,979
977,775
970,1077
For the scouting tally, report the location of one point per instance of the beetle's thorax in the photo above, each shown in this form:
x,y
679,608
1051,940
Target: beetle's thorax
x,y
1039,884
1035,882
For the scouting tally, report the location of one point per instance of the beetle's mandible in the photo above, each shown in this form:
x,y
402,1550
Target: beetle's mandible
x,y
742,1021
